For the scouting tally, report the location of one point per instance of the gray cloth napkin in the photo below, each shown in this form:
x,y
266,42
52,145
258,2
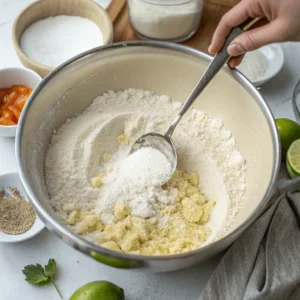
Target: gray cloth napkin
x,y
264,263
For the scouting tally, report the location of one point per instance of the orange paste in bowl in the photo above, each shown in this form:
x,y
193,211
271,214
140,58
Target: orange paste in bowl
x,y
12,101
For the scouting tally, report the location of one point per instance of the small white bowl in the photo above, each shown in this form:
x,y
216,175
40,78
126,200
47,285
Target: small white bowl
x,y
11,76
275,57
13,180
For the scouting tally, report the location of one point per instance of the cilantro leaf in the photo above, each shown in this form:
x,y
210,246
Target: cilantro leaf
x,y
35,274
50,268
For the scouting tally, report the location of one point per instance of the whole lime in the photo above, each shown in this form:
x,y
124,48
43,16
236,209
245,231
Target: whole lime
x,y
289,131
99,290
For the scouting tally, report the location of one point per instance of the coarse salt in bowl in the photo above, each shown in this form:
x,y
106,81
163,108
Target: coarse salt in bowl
x,y
261,65
44,9
13,180
16,76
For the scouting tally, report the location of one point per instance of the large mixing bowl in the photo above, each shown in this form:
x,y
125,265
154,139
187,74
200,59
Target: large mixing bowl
x,y
165,69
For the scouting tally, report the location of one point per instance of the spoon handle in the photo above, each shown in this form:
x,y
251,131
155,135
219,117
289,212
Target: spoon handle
x,y
213,68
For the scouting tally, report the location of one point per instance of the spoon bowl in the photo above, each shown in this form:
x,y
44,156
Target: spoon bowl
x,y
162,143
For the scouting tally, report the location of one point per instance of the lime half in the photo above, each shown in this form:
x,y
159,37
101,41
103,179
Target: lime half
x,y
289,131
290,171
293,158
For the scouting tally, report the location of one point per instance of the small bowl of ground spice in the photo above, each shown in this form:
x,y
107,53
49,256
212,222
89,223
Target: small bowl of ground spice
x,y
49,32
18,220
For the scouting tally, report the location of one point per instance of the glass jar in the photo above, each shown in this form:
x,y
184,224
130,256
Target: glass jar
x,y
167,20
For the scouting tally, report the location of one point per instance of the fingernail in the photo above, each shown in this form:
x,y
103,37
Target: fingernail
x,y
231,65
235,50
209,49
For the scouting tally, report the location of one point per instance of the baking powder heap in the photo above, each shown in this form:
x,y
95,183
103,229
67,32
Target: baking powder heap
x,y
136,180
54,40
147,166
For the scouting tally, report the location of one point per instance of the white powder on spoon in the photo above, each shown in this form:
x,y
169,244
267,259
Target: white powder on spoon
x,y
54,40
136,180
147,165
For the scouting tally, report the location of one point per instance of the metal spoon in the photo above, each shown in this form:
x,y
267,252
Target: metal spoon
x,y
164,143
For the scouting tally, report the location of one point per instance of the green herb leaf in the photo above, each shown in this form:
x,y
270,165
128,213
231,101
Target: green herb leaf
x,y
50,268
38,275
35,274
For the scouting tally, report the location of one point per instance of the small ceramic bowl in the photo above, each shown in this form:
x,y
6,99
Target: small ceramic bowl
x,y
13,180
275,57
12,76
49,8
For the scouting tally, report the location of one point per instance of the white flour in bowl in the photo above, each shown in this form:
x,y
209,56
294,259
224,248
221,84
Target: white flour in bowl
x,y
100,192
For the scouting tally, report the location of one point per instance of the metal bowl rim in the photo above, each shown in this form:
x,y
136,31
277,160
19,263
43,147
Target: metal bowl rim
x,y
79,242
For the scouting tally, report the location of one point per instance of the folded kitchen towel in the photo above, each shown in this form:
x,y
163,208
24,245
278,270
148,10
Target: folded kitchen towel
x,y
264,263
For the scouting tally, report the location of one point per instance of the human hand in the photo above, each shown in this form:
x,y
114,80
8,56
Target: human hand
x,y
280,22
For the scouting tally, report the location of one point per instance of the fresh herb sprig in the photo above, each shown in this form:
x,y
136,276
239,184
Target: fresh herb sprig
x,y
36,274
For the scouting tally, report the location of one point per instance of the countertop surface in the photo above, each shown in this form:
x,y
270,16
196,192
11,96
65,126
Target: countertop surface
x,y
76,269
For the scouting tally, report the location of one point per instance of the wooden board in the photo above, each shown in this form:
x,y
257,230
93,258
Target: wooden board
x,y
212,12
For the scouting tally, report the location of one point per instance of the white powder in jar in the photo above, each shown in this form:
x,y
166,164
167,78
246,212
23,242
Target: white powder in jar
x,y
54,40
165,20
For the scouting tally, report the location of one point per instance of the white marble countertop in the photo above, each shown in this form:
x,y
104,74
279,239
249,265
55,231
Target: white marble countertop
x,y
76,269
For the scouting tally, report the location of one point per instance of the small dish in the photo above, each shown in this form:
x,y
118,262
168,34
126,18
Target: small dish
x,y
275,57
13,180
49,8
11,76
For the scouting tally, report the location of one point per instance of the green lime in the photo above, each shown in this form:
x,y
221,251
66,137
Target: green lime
x,y
114,262
289,131
290,171
99,290
293,158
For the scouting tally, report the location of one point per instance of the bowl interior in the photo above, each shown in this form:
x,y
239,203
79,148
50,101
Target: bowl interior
x,y
165,71
49,8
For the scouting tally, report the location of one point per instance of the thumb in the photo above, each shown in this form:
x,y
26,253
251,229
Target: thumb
x,y
256,38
